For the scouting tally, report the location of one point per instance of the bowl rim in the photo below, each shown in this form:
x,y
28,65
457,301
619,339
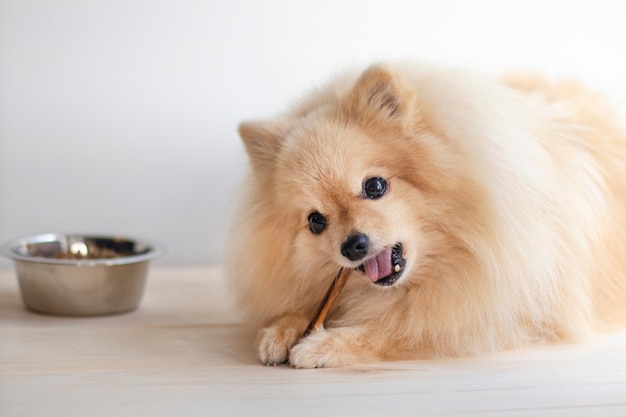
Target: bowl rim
x,y
156,249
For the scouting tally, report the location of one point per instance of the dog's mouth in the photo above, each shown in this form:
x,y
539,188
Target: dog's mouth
x,y
386,267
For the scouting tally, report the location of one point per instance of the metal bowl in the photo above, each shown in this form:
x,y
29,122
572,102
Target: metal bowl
x,y
81,275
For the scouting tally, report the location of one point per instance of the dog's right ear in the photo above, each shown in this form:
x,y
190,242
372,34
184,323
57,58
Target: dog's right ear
x,y
262,139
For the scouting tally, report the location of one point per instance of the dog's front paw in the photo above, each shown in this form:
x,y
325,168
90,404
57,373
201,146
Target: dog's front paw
x,y
331,348
274,342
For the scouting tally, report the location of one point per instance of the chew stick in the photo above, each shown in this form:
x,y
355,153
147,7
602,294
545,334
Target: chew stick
x,y
329,299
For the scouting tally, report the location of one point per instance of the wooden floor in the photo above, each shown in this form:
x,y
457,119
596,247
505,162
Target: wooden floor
x,y
183,353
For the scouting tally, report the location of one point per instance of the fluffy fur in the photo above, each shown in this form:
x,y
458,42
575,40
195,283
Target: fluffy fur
x,y
508,196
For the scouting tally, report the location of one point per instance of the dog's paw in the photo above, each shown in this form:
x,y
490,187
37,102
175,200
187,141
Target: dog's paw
x,y
331,348
274,342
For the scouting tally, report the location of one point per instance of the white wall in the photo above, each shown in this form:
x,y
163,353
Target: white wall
x,y
120,116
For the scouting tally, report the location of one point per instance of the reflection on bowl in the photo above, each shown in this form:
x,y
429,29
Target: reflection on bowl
x,y
81,275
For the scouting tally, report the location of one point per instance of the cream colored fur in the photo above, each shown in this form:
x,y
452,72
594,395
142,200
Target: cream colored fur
x,y
508,196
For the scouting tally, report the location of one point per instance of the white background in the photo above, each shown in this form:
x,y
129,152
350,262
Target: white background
x,y
121,116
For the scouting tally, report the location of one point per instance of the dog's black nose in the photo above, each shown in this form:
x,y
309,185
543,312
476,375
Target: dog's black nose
x,y
355,247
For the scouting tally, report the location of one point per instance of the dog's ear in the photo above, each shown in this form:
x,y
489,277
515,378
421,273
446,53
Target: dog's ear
x,y
262,139
380,92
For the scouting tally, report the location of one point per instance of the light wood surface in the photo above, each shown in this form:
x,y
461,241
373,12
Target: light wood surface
x,y
184,353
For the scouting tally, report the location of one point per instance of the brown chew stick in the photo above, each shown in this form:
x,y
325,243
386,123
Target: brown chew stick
x,y
329,299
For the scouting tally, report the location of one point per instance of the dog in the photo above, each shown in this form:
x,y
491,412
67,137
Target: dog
x,y
478,213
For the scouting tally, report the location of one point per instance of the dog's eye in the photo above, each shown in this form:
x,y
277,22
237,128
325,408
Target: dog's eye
x,y
317,222
374,187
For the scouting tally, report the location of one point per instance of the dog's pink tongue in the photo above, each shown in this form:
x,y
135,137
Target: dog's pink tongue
x,y
380,266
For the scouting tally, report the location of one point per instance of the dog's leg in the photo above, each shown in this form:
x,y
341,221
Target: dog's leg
x,y
334,347
274,342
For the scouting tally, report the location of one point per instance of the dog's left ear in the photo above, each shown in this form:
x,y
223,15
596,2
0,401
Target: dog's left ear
x,y
379,92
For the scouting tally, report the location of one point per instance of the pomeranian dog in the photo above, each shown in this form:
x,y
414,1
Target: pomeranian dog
x,y
478,215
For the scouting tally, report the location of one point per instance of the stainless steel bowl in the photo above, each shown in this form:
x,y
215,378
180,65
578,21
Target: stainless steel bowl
x,y
81,275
